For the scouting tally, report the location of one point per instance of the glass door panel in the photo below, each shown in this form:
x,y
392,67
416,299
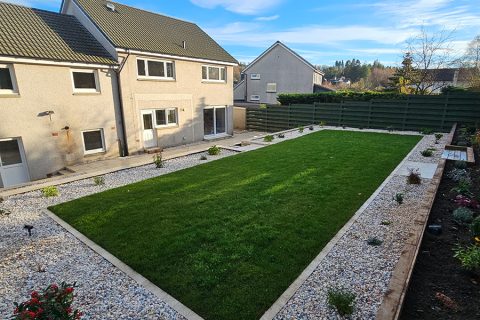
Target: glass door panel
x,y
220,120
208,122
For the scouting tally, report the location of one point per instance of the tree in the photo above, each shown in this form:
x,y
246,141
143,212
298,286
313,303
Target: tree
x,y
429,54
472,55
402,79
237,71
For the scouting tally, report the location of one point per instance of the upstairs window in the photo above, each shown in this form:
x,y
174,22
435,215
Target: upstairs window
x,y
155,69
7,80
85,81
213,73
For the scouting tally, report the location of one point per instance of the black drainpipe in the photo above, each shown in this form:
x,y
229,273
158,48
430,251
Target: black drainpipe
x,y
124,146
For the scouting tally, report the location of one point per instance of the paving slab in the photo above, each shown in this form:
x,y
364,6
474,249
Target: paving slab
x,y
427,170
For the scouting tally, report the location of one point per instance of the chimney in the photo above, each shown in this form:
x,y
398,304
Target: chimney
x,y
184,44
455,77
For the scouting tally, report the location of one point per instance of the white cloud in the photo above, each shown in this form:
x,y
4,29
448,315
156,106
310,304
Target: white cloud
x,y
270,18
250,7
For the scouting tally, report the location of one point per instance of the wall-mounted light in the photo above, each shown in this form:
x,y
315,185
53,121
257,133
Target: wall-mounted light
x,y
46,113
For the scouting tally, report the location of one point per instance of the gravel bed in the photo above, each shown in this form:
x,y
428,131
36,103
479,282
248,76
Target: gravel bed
x,y
354,265
52,254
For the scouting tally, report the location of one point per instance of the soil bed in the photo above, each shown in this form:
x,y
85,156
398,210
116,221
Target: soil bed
x,y
436,270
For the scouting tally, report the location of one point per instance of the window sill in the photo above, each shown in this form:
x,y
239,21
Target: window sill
x,y
10,95
94,153
168,126
214,81
76,93
156,79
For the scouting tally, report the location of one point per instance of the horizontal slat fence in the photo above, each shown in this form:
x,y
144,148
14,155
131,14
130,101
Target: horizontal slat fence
x,y
412,113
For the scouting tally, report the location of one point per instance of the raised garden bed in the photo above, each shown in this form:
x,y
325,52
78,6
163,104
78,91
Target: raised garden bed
x,y
440,287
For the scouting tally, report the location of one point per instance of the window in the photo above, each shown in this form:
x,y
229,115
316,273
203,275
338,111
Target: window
x,y
7,80
155,69
255,76
255,97
85,81
165,117
212,73
271,87
93,141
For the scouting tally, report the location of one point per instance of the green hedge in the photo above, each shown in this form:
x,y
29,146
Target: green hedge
x,y
335,96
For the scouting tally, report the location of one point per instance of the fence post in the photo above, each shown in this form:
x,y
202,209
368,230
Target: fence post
x,y
266,119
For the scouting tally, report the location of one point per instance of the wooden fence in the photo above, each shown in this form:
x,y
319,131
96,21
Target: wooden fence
x,y
414,112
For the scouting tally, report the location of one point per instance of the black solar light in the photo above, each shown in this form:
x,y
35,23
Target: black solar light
x,y
29,229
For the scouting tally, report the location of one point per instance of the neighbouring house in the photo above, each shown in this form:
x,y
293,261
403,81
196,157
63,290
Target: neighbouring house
x,y
278,70
176,82
57,95
437,79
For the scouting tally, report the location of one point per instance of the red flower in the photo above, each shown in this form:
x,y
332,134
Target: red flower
x,y
68,290
34,301
69,310
34,294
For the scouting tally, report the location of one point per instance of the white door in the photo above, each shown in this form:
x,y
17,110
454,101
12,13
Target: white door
x,y
149,135
13,167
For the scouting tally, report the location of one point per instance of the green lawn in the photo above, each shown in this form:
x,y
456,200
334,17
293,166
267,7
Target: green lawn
x,y
226,238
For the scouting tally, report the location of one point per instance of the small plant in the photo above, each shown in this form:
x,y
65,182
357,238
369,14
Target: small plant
x,y
386,223
300,129
374,241
426,131
463,201
343,301
51,191
268,138
460,164
414,176
463,188
475,227
469,257
157,160
213,151
203,158
398,198
322,124
438,136
310,128
99,180
458,174
476,139
281,135
463,215
427,153
262,106
51,303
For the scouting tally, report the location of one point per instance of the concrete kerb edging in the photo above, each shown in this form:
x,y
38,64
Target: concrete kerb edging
x,y
292,289
392,304
141,280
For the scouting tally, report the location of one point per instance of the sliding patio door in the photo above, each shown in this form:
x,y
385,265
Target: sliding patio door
x,y
214,121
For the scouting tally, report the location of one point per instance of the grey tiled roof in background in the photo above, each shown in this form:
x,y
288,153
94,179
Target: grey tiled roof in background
x,y
39,34
131,28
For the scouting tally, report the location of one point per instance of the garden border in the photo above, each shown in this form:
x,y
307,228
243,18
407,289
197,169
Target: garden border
x,y
282,301
137,277
392,303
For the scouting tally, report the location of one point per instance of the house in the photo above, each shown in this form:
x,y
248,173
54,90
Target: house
x,y
57,95
278,70
175,81
434,80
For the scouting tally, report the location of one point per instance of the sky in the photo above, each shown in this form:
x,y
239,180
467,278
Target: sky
x,y
321,31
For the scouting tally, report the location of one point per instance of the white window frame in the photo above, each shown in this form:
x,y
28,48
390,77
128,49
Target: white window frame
x,y
255,76
172,124
83,90
273,84
12,78
85,151
214,108
254,97
221,70
148,77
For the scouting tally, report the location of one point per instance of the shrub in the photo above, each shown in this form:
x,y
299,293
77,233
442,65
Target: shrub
x,y
53,303
426,131
300,129
51,191
336,96
427,153
268,138
374,241
310,127
438,136
414,177
157,160
463,215
476,139
203,157
469,257
398,198
475,227
262,106
99,180
458,174
464,201
281,135
460,164
386,223
343,301
213,151
322,124
463,188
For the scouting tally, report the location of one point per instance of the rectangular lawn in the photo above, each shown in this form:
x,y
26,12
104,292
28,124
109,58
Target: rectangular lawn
x,y
226,238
